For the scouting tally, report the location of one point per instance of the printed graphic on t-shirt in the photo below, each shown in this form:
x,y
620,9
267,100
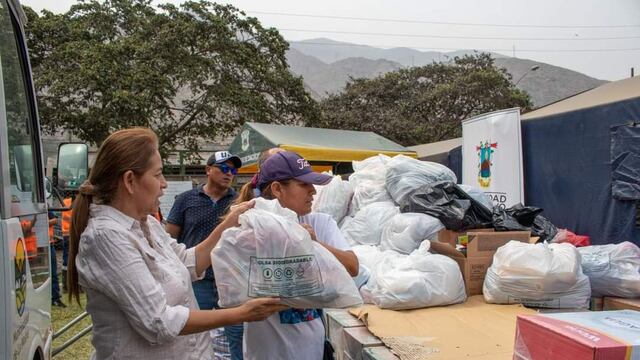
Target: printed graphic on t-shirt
x,y
295,316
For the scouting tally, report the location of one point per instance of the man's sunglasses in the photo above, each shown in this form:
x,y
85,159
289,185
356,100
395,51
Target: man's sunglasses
x,y
226,169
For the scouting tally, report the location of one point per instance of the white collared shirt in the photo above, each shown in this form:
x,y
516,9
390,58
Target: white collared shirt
x,y
139,296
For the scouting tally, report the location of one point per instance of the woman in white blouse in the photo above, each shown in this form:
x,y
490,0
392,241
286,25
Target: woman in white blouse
x,y
136,277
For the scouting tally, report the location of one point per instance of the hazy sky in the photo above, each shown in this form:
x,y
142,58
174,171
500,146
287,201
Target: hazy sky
x,y
600,38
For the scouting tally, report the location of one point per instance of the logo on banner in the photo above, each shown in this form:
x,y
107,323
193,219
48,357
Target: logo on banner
x,y
485,150
244,136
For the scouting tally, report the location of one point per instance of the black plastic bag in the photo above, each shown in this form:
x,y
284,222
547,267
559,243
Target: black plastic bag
x,y
450,204
522,218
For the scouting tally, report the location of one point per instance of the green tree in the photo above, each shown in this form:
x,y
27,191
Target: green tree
x,y
422,104
191,73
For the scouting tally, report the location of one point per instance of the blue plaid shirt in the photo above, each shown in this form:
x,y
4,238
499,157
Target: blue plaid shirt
x,y
198,214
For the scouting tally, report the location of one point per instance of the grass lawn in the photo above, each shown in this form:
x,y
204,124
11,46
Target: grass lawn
x,y
81,349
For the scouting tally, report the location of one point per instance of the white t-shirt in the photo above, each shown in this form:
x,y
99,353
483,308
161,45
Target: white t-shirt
x,y
295,333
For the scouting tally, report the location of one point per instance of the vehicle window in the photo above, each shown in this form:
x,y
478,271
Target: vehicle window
x,y
16,108
35,236
21,143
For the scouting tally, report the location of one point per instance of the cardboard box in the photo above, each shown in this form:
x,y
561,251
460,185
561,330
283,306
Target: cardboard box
x,y
457,237
596,304
479,254
473,330
613,303
357,339
337,321
378,353
610,335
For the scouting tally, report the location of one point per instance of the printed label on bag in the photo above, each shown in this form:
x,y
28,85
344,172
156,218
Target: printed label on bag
x,y
538,303
284,277
596,262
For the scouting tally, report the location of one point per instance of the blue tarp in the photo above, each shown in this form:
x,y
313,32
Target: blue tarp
x,y
567,161
568,172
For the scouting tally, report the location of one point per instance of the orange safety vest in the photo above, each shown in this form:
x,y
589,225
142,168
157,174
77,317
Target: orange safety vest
x,y
66,217
30,240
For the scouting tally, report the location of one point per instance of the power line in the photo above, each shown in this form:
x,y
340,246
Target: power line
x,y
458,37
444,23
483,49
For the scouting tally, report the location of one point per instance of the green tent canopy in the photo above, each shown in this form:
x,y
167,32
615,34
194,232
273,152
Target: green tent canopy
x,y
318,146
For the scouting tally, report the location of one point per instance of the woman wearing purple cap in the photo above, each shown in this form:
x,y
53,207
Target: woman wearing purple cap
x,y
295,333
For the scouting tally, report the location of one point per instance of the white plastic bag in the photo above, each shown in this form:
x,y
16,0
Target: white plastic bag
x,y
404,232
405,175
614,269
478,195
368,182
374,166
537,275
413,281
366,226
363,276
270,254
333,198
368,255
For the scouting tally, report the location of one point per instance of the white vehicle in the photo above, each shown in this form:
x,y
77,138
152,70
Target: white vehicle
x,y
25,279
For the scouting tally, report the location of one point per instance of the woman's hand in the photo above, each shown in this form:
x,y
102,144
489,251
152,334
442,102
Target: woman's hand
x,y
231,219
260,309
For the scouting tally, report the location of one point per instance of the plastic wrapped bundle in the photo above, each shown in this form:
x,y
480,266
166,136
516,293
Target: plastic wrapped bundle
x,y
519,217
478,195
404,232
271,255
405,175
450,204
366,226
414,281
537,275
614,269
333,198
368,255
368,182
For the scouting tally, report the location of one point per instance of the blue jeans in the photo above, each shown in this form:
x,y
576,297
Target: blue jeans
x,y
207,297
206,294
234,335
55,286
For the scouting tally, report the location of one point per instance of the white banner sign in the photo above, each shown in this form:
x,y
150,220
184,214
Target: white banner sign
x,y
174,188
492,156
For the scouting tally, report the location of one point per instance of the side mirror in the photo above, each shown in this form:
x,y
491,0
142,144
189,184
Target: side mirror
x,y
48,188
73,166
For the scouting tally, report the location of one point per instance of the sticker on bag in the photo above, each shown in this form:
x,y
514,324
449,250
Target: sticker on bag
x,y
287,277
596,262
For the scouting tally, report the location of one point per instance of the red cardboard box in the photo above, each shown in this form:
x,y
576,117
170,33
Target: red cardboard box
x,y
602,335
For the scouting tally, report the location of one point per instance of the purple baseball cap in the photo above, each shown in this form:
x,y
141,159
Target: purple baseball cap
x,y
289,165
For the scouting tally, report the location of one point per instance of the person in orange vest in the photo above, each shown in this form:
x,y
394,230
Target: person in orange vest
x,y
66,226
56,300
30,240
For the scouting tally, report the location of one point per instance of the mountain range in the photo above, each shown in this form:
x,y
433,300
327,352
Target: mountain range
x,y
326,66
